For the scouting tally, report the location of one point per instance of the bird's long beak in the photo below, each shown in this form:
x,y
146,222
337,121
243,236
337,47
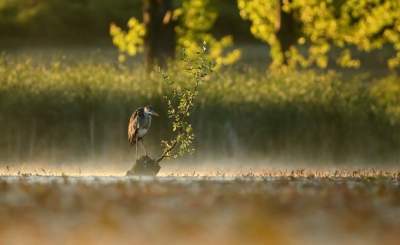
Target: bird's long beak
x,y
154,113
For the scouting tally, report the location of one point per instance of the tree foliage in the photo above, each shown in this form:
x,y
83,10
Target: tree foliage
x,y
364,25
130,42
195,19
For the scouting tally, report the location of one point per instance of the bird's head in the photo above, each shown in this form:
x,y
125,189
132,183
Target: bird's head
x,y
149,110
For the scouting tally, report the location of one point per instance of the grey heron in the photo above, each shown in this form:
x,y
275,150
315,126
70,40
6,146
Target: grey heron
x,y
139,125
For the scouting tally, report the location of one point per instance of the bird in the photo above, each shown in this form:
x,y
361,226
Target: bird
x,y
139,125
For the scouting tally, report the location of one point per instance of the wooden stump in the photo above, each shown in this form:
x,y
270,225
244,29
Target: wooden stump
x,y
145,166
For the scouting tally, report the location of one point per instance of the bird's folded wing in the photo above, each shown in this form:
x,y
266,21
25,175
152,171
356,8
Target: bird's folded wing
x,y
133,128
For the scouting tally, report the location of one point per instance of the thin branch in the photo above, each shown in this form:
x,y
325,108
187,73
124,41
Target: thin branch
x,y
167,151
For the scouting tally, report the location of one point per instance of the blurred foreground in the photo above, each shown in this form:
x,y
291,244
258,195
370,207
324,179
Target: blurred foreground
x,y
281,207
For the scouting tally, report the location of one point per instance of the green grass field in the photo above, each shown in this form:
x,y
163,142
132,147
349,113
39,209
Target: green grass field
x,y
86,100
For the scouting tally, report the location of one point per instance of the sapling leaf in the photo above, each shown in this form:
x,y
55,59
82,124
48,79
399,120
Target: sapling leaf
x,y
181,100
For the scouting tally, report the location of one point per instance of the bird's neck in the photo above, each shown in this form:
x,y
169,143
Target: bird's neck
x,y
147,117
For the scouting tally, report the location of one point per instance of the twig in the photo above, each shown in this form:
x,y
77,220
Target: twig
x,y
167,151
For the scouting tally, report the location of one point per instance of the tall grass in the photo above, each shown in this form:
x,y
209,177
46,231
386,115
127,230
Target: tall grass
x,y
61,111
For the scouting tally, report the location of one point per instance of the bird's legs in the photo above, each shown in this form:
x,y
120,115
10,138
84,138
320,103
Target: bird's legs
x,y
144,148
136,147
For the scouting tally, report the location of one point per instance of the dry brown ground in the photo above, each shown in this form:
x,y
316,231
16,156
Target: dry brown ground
x,y
281,207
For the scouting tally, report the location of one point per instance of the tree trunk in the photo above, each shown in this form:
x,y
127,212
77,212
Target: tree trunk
x,y
160,34
285,30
